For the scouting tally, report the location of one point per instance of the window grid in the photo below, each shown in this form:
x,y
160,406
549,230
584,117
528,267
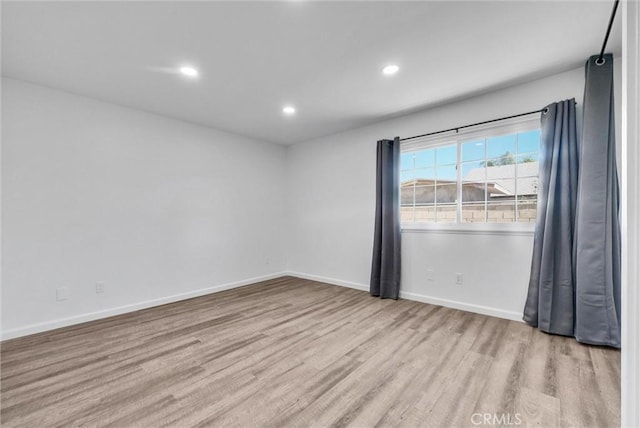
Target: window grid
x,y
438,183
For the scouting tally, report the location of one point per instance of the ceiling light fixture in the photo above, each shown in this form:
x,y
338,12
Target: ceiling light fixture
x,y
390,69
189,71
288,110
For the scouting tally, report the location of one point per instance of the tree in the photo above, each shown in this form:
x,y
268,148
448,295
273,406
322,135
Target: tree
x,y
506,159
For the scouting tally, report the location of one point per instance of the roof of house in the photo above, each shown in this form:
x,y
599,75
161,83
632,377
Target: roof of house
x,y
500,179
503,175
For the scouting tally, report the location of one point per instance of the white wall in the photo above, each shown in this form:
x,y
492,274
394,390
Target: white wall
x,y
161,210
156,208
332,193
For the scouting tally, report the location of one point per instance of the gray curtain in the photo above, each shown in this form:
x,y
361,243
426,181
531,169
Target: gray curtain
x,y
574,287
597,252
550,300
385,266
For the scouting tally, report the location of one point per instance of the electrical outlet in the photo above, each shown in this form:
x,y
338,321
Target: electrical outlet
x,y
62,293
99,287
458,279
430,274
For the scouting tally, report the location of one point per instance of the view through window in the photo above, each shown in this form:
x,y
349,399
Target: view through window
x,y
489,178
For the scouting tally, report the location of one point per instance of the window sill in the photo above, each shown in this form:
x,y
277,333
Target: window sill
x,y
471,229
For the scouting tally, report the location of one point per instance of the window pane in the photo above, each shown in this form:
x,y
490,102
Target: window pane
x,y
527,187
474,191
425,195
501,148
446,173
406,194
501,212
426,214
500,189
407,176
473,171
529,141
406,161
503,171
472,150
446,213
446,193
425,158
503,162
447,155
473,213
425,174
528,160
527,209
406,214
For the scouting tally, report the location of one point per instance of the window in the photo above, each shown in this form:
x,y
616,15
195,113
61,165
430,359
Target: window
x,y
485,175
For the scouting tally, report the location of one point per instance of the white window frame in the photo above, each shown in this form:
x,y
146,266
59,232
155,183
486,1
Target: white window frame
x,y
494,129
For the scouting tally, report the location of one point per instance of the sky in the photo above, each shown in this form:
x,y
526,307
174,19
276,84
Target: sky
x,y
422,164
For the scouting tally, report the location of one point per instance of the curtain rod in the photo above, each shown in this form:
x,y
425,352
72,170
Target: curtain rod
x,y
473,124
599,61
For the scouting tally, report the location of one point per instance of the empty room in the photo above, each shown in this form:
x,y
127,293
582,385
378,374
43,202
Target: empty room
x,y
320,214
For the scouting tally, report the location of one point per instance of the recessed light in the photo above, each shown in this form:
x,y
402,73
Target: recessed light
x,y
288,110
189,71
390,69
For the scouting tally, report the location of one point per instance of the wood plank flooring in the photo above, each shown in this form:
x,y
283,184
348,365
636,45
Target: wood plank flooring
x,y
297,353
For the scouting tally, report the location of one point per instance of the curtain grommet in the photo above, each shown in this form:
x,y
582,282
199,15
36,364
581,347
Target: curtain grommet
x,y
600,61
545,110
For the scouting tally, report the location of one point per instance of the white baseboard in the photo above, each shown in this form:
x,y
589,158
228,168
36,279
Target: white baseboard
x,y
332,281
92,316
469,307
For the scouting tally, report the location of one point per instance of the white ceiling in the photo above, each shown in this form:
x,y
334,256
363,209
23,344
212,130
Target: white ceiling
x,y
323,57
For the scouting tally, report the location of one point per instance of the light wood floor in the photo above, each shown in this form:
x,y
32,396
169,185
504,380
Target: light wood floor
x,y
291,352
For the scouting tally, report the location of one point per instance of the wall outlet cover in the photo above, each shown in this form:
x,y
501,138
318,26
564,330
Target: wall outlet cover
x,y
459,279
